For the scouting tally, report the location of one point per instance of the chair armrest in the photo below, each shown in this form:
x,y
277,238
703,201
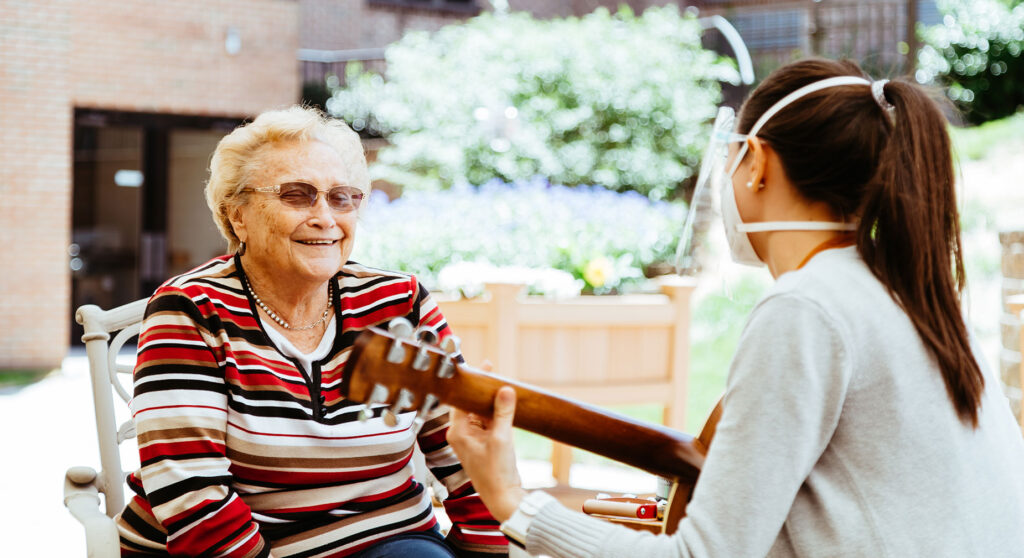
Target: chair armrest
x,y
82,499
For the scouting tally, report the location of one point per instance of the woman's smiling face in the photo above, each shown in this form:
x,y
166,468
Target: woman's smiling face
x,y
289,244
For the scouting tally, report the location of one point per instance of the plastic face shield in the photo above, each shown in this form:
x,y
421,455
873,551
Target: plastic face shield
x,y
712,172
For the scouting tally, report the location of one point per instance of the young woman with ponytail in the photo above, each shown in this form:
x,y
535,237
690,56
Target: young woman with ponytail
x,y
859,418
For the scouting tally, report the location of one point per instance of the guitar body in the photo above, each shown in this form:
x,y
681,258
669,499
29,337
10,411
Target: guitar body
x,y
410,375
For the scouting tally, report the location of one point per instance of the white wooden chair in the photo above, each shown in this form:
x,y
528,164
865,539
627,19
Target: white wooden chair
x,y
83,485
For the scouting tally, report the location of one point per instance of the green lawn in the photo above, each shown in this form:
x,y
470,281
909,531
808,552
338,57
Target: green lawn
x,y
974,143
19,378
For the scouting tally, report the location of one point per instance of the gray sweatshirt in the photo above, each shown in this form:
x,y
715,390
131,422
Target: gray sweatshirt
x,y
837,440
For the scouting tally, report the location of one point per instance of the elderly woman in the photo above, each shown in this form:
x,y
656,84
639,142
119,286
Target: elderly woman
x,y
247,447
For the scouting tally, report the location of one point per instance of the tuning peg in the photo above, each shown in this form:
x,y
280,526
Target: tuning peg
x,y
429,401
404,399
422,359
426,334
447,368
400,328
451,344
378,395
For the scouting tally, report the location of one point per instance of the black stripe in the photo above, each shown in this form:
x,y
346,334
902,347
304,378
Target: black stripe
x,y
219,545
142,526
446,471
186,485
177,384
369,284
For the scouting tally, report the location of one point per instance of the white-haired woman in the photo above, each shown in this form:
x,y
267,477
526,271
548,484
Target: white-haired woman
x,y
247,447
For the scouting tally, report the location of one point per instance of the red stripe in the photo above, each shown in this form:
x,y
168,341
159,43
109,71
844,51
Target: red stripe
x,y
157,408
160,449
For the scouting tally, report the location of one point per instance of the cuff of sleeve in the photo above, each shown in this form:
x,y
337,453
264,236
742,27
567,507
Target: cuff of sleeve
x,y
556,530
516,527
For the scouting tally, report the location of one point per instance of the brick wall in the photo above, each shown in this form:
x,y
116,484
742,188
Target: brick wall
x,y
565,8
129,55
382,25
35,171
170,56
331,24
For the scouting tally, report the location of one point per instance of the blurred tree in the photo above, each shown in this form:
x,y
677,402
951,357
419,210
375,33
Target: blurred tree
x,y
620,100
976,53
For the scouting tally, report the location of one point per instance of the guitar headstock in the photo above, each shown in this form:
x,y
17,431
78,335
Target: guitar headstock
x,y
400,367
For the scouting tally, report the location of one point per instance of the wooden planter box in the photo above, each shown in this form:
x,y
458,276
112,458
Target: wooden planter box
x,y
1016,304
605,350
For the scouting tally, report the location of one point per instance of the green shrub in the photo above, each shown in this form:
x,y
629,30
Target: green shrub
x,y
618,100
976,53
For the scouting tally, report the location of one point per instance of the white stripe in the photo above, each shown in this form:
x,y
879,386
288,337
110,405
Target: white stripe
x,y
158,342
491,533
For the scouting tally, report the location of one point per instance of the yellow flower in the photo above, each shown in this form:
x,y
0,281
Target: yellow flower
x,y
597,272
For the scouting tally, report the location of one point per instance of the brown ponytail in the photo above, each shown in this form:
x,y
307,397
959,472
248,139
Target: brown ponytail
x,y
910,238
893,170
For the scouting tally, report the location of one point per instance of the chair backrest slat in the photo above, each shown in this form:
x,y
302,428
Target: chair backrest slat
x,y
103,370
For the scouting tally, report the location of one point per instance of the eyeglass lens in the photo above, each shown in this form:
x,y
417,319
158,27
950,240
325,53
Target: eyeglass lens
x,y
339,198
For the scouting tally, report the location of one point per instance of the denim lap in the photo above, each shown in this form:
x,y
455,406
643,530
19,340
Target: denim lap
x,y
421,544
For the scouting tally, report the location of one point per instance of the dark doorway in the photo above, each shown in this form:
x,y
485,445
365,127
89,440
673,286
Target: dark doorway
x,y
138,211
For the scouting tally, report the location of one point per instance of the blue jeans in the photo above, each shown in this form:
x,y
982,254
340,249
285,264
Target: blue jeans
x,y
421,544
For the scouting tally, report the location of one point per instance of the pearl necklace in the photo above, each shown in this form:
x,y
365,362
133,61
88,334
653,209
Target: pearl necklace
x,y
273,315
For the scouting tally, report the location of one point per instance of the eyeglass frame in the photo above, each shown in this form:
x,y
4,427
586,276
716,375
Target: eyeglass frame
x,y
357,198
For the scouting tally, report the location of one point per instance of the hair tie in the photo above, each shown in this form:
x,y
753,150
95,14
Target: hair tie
x,y
878,92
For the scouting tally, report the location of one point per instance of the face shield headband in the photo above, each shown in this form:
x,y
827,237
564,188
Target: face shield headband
x,y
713,165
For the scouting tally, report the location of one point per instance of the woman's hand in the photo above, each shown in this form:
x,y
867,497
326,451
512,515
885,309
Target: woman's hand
x,y
485,448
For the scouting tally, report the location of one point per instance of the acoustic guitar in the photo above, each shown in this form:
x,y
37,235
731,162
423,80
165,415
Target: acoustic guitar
x,y
414,375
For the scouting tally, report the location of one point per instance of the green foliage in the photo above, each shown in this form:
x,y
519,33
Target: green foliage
x,y
614,99
976,52
974,143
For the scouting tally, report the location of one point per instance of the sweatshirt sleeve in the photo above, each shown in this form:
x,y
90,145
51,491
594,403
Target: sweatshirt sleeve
x,y
474,530
785,392
180,411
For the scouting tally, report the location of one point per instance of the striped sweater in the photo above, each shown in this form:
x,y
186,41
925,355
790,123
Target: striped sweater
x,y
242,454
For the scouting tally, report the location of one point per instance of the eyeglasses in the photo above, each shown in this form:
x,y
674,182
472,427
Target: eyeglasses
x,y
302,195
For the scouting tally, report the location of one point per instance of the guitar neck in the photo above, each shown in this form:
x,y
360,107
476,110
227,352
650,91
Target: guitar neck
x,y
652,448
378,360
